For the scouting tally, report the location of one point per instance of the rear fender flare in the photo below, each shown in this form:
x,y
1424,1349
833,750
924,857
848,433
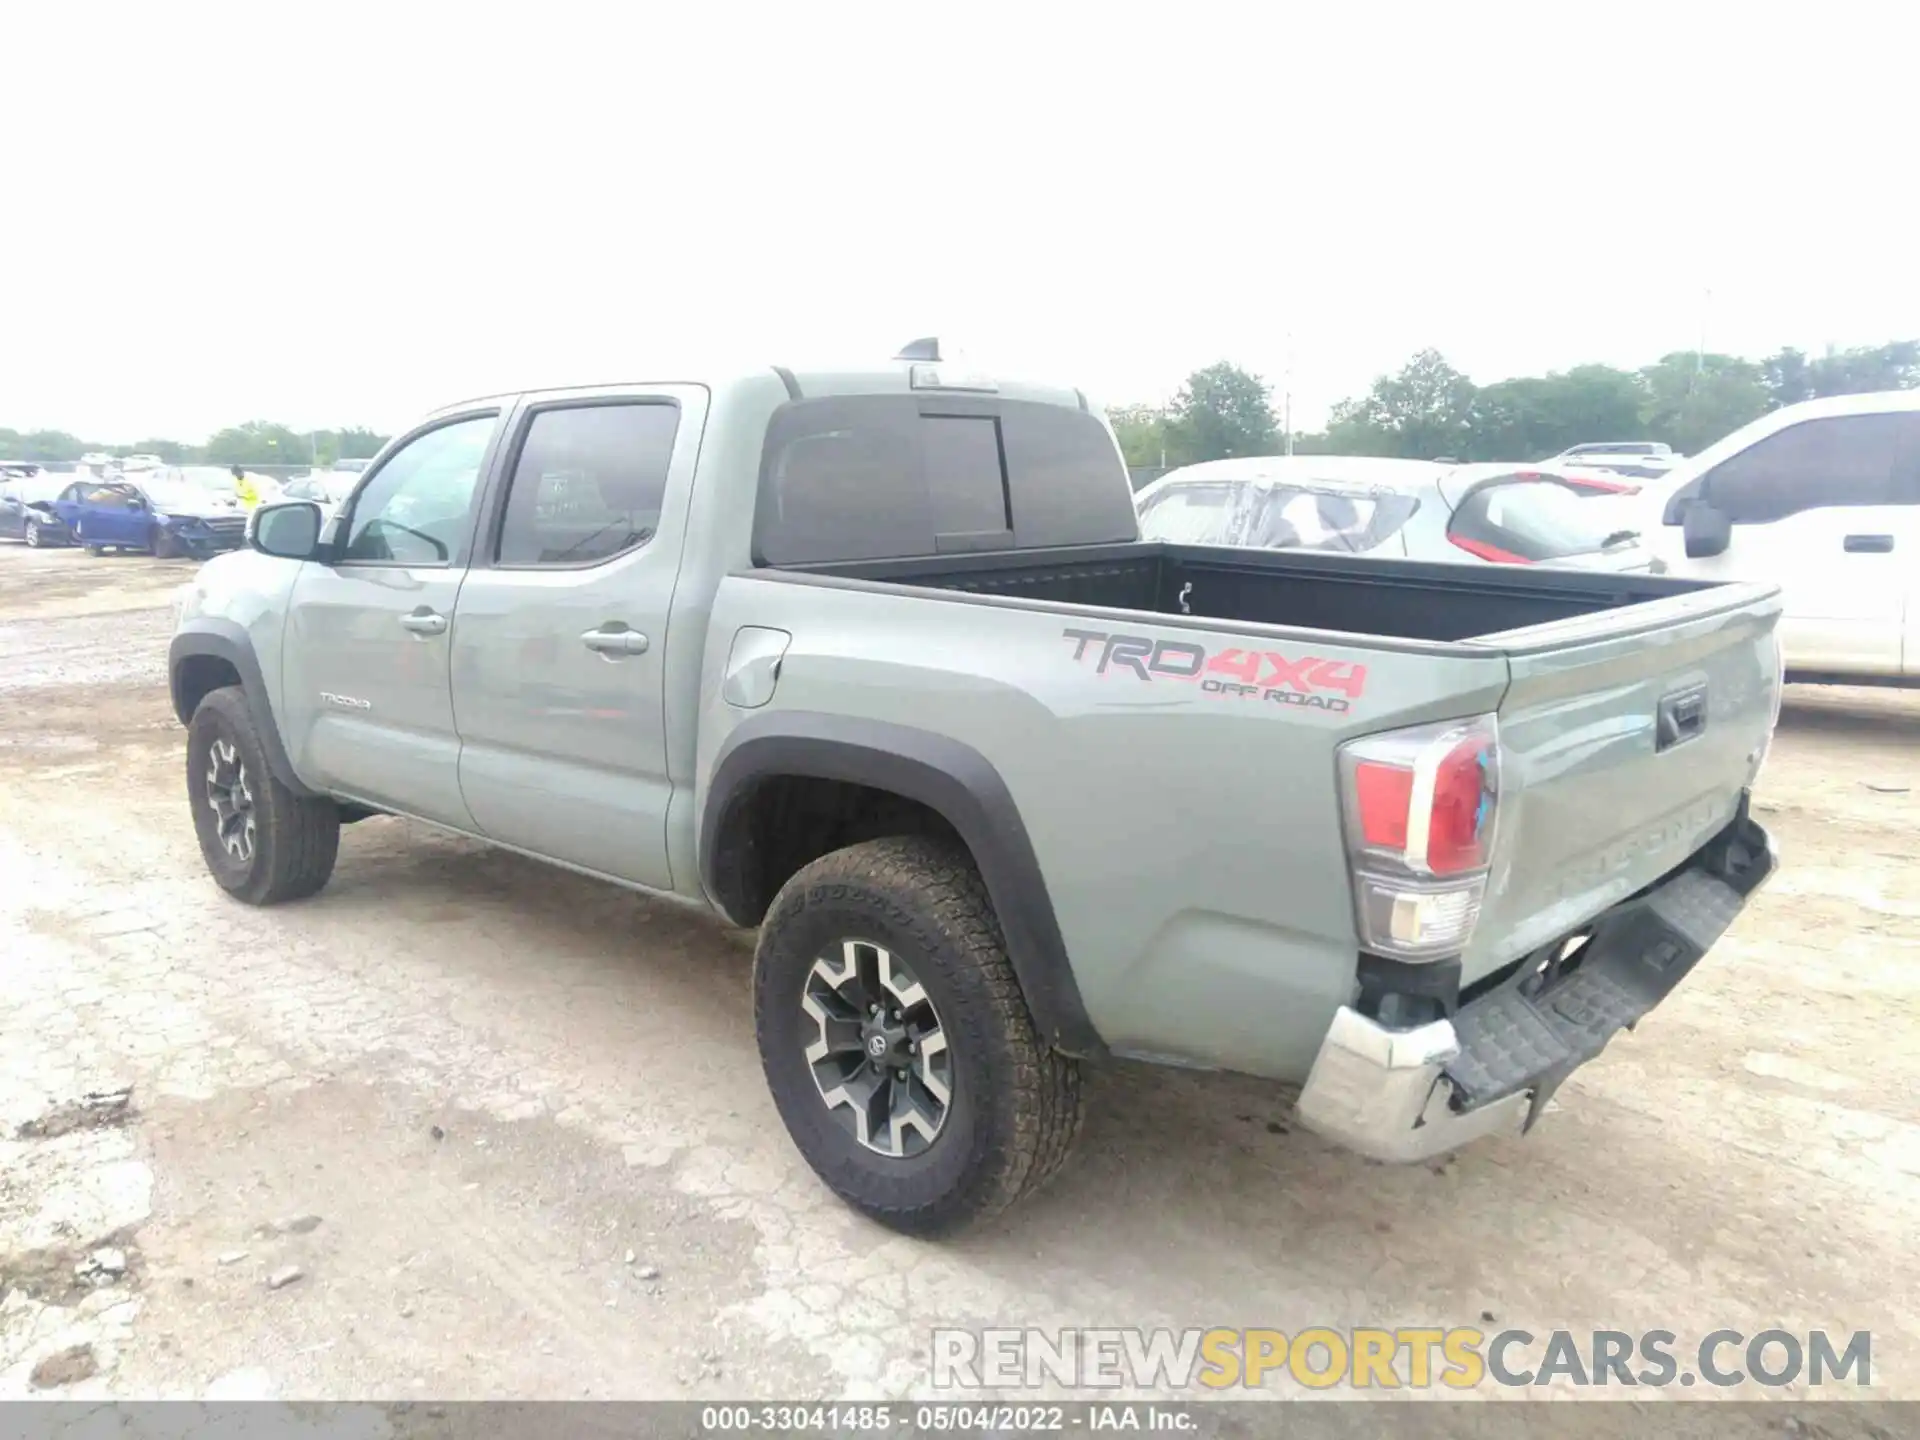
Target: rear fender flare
x,y
950,778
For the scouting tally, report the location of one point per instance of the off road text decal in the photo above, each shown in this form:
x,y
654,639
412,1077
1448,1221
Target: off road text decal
x,y
1305,680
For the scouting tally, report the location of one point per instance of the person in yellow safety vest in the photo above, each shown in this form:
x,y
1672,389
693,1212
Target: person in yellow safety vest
x,y
244,488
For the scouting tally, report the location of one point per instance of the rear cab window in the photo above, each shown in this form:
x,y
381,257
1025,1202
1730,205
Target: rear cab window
x,y
876,477
1533,518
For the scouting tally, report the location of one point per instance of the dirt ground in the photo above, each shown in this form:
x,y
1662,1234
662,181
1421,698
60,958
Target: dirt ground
x,y
509,1124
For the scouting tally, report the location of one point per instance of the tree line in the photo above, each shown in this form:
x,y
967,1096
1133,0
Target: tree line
x,y
258,442
1428,410
1425,410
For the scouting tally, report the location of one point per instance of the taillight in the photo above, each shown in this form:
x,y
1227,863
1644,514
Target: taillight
x,y
1420,806
1488,552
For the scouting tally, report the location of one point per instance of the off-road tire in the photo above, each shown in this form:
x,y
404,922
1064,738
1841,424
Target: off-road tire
x,y
296,838
1016,1107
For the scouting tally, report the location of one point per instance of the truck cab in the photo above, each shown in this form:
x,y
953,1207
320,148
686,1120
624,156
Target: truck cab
x,y
1823,499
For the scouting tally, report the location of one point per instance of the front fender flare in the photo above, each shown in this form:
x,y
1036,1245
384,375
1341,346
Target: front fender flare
x,y
954,780
226,640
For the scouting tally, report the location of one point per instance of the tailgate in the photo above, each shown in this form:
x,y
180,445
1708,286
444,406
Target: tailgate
x,y
1627,739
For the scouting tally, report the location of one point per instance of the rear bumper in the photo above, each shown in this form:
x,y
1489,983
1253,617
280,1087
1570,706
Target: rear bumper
x,y
1405,1095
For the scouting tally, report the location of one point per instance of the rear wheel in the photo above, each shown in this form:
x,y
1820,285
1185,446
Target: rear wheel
x,y
896,1041
262,843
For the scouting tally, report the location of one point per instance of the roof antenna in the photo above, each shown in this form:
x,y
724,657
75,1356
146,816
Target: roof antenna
x,y
927,348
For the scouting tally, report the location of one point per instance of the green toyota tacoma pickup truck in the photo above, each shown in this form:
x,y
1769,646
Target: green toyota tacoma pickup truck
x,y
876,661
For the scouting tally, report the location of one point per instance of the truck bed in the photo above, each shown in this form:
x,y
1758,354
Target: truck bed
x,y
1352,594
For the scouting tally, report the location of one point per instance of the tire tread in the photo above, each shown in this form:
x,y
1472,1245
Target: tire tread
x,y
939,891
300,837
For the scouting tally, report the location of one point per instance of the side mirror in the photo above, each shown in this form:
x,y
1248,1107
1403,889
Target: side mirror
x,y
290,531
1706,529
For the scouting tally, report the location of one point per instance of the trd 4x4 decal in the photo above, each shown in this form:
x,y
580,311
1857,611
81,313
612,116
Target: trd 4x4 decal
x,y
1306,680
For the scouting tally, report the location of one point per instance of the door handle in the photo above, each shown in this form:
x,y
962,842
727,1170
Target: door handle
x,y
425,622
615,642
1868,544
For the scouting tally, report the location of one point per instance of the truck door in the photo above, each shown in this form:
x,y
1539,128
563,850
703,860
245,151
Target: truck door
x,y
560,659
1827,509
366,689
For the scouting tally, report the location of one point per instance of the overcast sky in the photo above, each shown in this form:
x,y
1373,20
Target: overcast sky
x,y
331,214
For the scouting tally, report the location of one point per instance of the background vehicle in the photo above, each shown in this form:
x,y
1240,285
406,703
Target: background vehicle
x,y
26,506
876,661
1637,460
164,517
215,482
1420,509
1823,499
325,488
1612,450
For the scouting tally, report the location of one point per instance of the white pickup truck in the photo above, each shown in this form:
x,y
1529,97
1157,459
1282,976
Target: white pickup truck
x,y
1823,499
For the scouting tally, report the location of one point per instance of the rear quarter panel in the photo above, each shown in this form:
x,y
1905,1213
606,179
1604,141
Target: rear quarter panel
x,y
1189,834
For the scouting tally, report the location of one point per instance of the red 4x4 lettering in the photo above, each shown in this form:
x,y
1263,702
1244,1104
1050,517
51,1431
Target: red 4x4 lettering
x,y
1347,678
1310,673
1306,674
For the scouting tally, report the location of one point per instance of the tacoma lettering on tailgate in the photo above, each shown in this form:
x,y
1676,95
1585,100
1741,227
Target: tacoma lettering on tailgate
x,y
1268,675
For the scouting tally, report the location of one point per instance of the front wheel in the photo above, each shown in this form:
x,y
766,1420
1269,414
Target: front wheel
x,y
80,535
162,544
32,535
896,1041
262,843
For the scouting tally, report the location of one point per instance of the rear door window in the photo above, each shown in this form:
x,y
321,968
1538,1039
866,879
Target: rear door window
x,y
1533,518
588,483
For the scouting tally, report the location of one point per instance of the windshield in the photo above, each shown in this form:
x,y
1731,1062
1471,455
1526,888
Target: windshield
x,y
171,494
1268,516
328,489
1190,514
202,480
1536,518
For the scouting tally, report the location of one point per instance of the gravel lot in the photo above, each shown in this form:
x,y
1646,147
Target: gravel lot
x,y
527,1113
